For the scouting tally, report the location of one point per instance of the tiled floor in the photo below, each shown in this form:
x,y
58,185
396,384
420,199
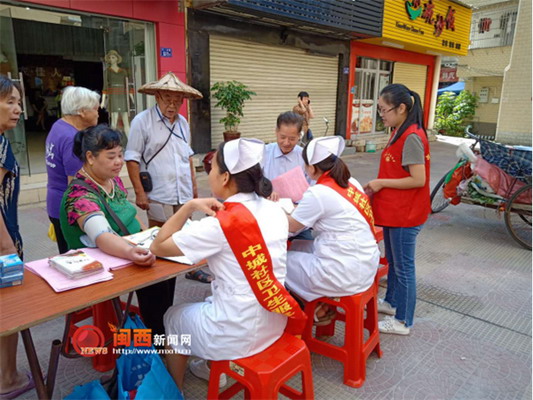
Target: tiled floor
x,y
472,333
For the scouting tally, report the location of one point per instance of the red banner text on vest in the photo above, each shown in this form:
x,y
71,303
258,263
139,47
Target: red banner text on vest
x,y
357,198
248,245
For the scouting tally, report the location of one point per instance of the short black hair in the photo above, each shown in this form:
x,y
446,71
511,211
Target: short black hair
x,y
290,118
95,139
7,86
303,94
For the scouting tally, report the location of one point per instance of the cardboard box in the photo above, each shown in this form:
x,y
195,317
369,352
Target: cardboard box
x,y
10,263
12,279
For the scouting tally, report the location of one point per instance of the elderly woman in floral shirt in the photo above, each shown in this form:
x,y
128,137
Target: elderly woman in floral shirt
x,y
86,222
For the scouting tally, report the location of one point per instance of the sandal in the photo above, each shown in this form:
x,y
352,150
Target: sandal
x,y
199,276
17,392
325,319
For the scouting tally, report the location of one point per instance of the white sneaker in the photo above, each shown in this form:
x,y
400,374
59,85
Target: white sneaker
x,y
200,369
392,325
384,307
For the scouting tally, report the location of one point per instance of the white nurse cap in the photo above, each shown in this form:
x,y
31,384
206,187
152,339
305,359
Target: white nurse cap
x,y
321,148
241,154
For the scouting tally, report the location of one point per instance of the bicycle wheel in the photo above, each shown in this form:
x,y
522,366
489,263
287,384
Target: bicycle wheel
x,y
438,201
518,217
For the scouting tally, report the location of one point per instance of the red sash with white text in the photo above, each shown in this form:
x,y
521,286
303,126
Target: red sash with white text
x,y
357,198
246,241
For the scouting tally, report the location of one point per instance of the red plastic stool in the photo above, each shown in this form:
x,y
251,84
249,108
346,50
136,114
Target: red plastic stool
x,y
102,314
355,351
383,268
263,375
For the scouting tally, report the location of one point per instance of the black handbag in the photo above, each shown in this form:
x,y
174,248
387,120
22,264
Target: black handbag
x,y
146,181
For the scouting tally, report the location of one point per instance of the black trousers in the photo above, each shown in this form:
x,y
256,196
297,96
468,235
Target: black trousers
x,y
154,301
61,242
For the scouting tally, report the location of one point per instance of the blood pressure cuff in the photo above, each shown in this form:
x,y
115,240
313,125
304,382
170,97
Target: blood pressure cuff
x,y
93,226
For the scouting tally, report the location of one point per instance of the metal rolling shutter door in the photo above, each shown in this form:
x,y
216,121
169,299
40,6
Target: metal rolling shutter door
x,y
411,75
277,74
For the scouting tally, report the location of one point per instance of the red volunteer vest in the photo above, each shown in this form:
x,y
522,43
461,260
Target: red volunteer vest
x,y
355,197
401,207
246,241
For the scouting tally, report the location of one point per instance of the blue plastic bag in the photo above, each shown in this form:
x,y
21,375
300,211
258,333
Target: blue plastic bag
x,y
90,391
145,373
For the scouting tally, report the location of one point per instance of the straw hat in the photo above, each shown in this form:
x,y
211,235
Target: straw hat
x,y
170,83
112,53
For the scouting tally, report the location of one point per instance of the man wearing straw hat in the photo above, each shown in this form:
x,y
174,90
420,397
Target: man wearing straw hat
x,y
159,156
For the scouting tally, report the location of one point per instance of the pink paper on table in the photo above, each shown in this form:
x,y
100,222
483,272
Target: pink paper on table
x,y
292,184
60,282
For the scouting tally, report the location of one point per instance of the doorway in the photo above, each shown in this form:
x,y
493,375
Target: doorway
x,y
49,50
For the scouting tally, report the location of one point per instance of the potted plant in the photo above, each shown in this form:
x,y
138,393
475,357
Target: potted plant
x,y
230,97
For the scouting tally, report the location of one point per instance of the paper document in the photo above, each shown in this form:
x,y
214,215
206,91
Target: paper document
x,y
145,238
60,282
287,205
292,184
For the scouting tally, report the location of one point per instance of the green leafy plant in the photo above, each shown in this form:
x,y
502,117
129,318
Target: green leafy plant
x,y
230,97
454,112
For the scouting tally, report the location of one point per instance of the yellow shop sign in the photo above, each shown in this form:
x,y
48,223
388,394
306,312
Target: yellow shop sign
x,y
434,26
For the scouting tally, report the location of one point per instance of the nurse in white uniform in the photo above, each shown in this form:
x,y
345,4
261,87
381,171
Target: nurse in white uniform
x,y
344,257
230,324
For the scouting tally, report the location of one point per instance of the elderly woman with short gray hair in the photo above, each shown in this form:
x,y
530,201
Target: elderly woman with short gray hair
x,y
79,107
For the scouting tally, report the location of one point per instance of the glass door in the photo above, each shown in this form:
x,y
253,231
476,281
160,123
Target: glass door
x,y
371,75
9,67
125,69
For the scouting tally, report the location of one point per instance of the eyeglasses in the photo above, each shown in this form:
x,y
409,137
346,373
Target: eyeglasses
x,y
168,100
382,112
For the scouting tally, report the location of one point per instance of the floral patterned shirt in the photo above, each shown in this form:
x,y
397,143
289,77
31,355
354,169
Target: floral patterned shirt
x,y
80,201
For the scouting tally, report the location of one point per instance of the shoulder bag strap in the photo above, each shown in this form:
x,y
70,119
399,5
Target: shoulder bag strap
x,y
158,151
113,215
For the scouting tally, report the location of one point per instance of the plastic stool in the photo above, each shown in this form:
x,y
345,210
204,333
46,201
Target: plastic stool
x,y
263,375
355,351
383,268
102,314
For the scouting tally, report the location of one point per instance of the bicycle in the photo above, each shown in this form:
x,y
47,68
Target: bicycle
x,y
515,203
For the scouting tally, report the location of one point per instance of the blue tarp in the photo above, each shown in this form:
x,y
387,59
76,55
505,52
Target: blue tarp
x,y
457,88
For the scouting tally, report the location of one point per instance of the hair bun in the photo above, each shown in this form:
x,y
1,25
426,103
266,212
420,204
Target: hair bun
x,y
263,187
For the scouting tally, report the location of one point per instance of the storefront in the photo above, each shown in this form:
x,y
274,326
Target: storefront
x,y
51,44
278,49
415,34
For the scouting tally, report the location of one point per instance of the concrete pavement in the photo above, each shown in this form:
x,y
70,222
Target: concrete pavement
x,y
472,333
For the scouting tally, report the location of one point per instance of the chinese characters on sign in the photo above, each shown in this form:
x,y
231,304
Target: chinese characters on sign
x,y
166,52
484,25
427,12
448,75
451,44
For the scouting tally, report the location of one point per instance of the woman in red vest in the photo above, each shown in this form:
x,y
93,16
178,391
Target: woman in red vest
x,y
401,202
